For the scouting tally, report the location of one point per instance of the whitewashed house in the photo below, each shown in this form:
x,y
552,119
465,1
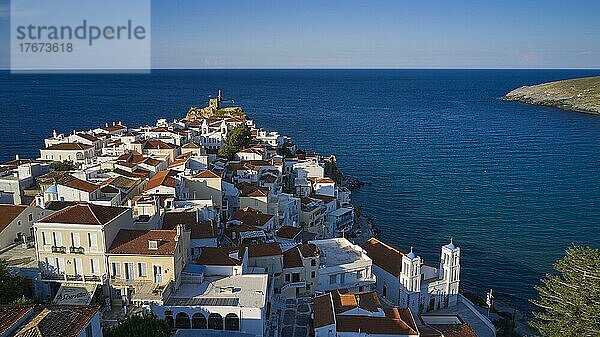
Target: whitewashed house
x,y
406,280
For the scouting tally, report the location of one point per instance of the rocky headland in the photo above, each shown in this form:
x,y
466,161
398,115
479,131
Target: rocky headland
x,y
578,94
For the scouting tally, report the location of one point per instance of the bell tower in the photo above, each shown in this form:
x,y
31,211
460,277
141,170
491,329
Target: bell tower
x,y
450,272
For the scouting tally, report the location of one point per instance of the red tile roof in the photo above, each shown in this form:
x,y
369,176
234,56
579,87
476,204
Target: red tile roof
x,y
330,308
288,232
264,249
87,214
134,241
161,178
309,250
220,256
80,185
385,256
454,330
292,258
199,230
59,321
8,213
323,311
206,174
10,315
156,144
252,217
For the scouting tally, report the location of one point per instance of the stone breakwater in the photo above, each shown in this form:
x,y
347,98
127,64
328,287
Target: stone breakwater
x,y
579,94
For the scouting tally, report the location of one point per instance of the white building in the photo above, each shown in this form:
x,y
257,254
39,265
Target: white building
x,y
16,223
406,280
343,265
340,221
230,303
75,152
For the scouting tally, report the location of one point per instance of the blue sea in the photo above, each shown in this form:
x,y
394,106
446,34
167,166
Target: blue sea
x,y
513,184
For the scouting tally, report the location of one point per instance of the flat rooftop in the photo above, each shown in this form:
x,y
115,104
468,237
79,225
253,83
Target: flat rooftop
x,y
339,251
240,290
20,257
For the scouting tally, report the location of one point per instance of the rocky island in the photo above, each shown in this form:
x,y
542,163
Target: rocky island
x,y
579,94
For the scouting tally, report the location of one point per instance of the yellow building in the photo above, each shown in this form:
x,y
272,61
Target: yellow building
x,y
71,244
146,265
205,185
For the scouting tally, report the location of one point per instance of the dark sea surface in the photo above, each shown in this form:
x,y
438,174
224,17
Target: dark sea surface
x,y
513,184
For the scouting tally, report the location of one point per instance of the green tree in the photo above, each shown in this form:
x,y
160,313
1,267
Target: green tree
x,y
140,325
285,152
569,303
65,165
12,288
237,139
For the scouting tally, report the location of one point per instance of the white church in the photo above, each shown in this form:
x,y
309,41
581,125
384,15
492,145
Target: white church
x,y
406,280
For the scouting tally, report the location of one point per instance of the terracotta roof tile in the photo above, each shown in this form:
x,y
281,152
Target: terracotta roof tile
x,y
288,232
252,217
8,213
220,256
11,315
264,249
199,230
454,330
323,310
292,258
161,178
59,321
87,214
309,250
206,174
385,256
134,241
80,185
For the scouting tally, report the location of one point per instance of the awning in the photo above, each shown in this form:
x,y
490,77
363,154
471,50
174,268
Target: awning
x,y
75,294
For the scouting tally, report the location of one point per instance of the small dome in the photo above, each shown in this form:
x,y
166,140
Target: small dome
x,y
451,245
411,255
52,189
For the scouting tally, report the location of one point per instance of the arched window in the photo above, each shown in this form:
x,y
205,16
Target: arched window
x,y
182,321
215,321
198,321
169,318
232,322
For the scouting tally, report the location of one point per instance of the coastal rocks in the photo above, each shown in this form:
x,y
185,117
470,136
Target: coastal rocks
x,y
195,113
332,171
580,94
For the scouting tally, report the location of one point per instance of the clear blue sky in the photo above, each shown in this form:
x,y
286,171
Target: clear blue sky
x,y
365,34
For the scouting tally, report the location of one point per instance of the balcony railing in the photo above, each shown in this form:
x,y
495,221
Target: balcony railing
x,y
59,249
62,277
300,284
77,250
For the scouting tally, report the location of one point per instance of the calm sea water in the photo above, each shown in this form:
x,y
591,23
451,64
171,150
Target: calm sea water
x,y
513,184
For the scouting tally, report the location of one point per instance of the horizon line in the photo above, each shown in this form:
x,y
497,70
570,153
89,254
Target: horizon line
x,y
138,70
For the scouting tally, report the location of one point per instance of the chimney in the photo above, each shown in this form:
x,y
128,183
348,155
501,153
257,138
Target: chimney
x,y
17,157
120,123
197,215
114,123
180,229
54,135
106,125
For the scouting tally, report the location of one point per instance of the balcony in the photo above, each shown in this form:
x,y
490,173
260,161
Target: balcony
x,y
59,249
300,284
77,250
62,277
